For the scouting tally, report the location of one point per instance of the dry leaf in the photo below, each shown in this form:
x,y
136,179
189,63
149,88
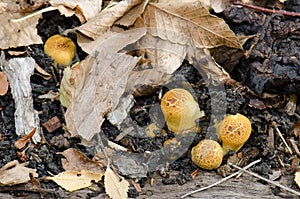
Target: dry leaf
x,y
73,80
106,18
81,8
217,5
171,20
14,173
116,187
74,180
3,84
20,143
100,94
110,40
130,17
77,161
297,178
44,74
17,34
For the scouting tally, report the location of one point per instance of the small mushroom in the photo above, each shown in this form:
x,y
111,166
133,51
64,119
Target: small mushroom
x,y
233,131
180,110
207,154
61,49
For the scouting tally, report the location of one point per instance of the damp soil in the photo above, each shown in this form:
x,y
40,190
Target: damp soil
x,y
271,66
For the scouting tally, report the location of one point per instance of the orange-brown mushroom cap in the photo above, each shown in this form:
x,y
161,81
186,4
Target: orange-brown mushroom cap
x,y
207,154
61,49
180,110
234,131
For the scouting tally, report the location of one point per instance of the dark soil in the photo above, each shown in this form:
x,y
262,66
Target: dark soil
x,y
272,66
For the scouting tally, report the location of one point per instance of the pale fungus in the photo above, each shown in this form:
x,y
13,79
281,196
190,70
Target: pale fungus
x,y
180,110
207,154
61,49
234,131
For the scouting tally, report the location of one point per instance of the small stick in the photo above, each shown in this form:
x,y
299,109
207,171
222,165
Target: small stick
x,y
280,135
33,14
266,10
266,180
222,180
294,145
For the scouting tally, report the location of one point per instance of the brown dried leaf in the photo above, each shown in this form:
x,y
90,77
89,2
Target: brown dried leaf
x,y
20,143
116,187
75,180
15,34
81,8
130,17
3,84
110,40
296,128
105,19
100,94
77,161
190,19
14,173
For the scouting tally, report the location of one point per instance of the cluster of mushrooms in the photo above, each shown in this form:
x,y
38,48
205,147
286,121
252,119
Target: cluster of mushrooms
x,y
181,110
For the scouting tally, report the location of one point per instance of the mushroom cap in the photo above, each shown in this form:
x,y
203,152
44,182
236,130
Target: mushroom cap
x,y
61,49
207,154
234,131
180,110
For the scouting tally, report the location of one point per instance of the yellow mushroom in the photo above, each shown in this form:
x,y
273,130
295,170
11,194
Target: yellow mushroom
x,y
207,154
61,49
233,131
180,110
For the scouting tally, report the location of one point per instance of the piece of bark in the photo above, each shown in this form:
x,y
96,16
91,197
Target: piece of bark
x,y
18,72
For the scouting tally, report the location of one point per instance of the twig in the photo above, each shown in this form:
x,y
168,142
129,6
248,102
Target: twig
x,y
222,180
34,14
295,147
266,180
280,135
266,10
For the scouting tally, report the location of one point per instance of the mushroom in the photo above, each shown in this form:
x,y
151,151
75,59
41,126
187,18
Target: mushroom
x,y
207,154
233,131
61,49
180,110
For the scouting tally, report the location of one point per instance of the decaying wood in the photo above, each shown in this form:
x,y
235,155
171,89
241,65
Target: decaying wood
x,y
245,187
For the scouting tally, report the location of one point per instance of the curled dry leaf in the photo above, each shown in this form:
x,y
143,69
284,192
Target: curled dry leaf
x,y
116,187
75,180
106,18
20,143
83,9
44,74
3,84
